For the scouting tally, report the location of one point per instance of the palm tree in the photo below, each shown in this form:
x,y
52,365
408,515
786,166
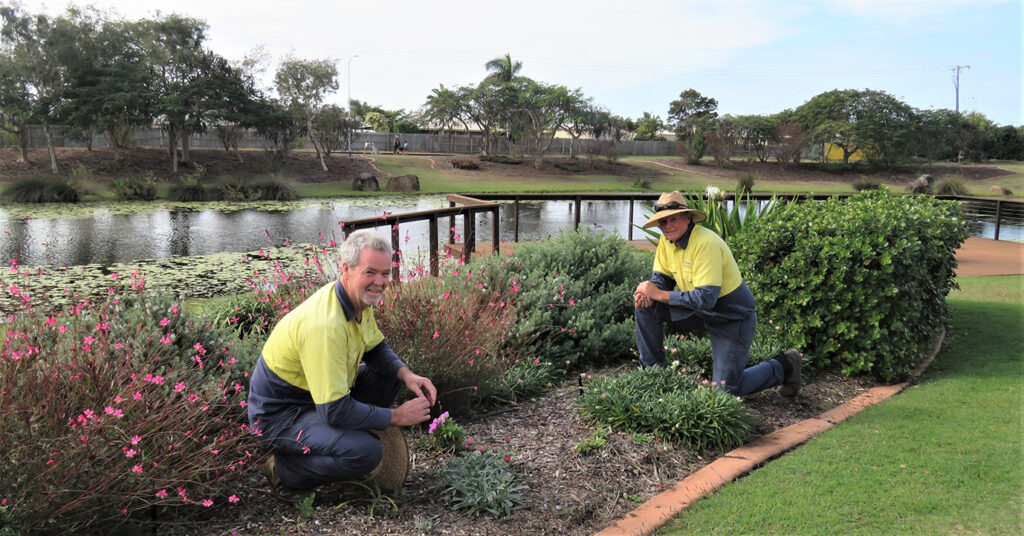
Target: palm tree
x,y
502,68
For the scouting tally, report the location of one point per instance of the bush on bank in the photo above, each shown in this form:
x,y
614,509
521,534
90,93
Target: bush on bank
x,y
861,283
576,288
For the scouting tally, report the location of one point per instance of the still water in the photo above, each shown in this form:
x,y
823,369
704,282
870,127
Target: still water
x,y
117,238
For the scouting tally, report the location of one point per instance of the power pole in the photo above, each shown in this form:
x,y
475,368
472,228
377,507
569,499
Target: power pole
x,y
956,82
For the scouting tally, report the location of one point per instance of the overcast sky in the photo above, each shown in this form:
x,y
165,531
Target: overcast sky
x,y
632,56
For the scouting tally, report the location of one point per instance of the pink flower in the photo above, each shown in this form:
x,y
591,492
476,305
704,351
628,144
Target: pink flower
x,y
164,321
166,339
233,499
437,334
130,453
208,502
137,469
137,396
135,440
62,329
179,387
162,494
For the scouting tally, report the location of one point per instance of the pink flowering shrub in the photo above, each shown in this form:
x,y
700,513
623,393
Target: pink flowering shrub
x,y
112,410
452,331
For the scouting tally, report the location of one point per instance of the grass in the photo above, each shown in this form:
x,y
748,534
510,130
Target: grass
x,y
943,457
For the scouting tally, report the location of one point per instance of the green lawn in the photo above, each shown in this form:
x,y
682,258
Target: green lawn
x,y
944,457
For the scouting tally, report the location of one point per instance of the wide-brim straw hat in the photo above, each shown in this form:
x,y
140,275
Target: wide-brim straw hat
x,y
673,203
390,473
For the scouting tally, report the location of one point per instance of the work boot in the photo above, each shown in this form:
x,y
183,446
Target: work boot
x,y
281,492
791,361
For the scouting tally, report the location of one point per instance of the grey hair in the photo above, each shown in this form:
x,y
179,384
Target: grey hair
x,y
353,246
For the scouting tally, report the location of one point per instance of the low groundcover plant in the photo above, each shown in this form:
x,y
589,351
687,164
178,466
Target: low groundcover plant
x,y
669,403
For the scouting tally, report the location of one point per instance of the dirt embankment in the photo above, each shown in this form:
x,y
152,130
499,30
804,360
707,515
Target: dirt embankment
x,y
107,164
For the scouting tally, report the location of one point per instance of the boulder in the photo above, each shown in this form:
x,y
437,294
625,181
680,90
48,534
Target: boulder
x,y
403,183
1000,190
365,182
921,185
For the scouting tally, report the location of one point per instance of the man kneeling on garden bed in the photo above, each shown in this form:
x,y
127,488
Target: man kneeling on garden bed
x,y
711,296
320,392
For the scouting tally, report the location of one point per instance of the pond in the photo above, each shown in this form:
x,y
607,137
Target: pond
x,y
104,236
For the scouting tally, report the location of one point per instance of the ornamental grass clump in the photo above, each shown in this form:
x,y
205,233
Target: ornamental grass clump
x,y
577,291
106,420
480,482
862,282
670,404
455,332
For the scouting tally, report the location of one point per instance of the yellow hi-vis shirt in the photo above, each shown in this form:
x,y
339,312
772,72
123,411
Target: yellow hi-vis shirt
x,y
316,348
706,261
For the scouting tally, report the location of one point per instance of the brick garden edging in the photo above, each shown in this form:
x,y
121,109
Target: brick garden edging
x,y
660,509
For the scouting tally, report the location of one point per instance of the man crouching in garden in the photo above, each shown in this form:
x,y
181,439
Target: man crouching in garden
x,y
711,296
320,392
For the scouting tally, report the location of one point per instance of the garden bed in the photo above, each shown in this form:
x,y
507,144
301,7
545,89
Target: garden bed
x,y
568,493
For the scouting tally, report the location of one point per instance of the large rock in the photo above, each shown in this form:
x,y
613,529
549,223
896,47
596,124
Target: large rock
x,y
1000,190
403,183
365,182
921,185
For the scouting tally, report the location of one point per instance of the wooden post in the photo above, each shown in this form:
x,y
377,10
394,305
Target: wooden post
x,y
469,222
451,224
515,234
495,234
576,217
999,215
396,254
629,224
435,266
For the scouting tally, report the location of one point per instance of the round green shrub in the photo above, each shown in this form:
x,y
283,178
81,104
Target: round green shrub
x,y
950,186
862,282
576,291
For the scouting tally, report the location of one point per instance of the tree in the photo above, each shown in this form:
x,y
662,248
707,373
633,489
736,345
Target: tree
x,y
722,140
535,112
884,128
694,116
31,45
305,84
446,109
872,121
109,81
503,69
193,87
377,121
582,118
756,132
1007,144
333,128
649,128
15,106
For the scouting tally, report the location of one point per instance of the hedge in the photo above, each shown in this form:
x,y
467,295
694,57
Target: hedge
x,y
862,282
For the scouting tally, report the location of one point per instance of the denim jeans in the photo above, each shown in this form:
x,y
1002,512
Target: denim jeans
x,y
334,454
730,348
